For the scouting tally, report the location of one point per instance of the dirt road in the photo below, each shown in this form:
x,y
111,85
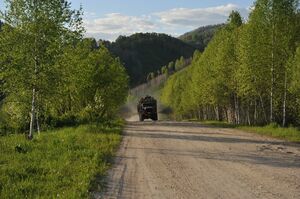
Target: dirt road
x,y
188,160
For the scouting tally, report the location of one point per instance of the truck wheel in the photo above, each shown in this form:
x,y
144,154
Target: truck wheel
x,y
154,118
141,118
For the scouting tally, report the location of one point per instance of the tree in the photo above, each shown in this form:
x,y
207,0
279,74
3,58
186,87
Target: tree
x,y
171,67
164,70
294,86
143,53
33,38
150,77
267,44
247,74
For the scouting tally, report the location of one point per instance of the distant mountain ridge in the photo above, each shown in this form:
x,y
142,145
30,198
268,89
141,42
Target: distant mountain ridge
x,y
200,37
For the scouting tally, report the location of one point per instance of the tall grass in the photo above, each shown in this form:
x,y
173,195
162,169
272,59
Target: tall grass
x,y
57,164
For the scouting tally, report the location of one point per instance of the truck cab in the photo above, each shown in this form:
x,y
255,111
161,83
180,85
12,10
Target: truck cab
x,y
147,108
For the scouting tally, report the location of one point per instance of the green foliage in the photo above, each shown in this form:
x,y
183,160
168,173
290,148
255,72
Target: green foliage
x,y
62,163
164,70
175,93
200,37
295,86
49,71
143,53
248,73
235,19
150,76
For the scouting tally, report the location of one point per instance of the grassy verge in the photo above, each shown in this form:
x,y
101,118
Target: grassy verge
x,y
57,164
290,134
219,124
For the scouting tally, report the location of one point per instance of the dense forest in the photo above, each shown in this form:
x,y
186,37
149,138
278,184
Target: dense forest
x,y
143,53
200,37
49,75
248,74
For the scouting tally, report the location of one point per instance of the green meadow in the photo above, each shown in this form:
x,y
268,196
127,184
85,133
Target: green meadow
x,y
62,163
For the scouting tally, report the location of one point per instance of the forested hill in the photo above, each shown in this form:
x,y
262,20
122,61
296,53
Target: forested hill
x,y
200,37
143,53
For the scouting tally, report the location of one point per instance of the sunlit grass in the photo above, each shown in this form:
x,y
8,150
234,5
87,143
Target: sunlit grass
x,y
290,134
56,164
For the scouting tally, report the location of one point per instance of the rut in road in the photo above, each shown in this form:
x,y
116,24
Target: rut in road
x,y
189,160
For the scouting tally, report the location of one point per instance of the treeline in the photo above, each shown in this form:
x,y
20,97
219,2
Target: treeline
x,y
248,74
170,68
49,75
201,37
143,53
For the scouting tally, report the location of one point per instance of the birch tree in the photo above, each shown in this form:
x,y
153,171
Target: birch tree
x,y
34,36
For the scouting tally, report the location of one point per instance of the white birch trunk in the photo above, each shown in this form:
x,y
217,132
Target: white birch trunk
x,y
32,115
263,108
284,100
38,122
272,68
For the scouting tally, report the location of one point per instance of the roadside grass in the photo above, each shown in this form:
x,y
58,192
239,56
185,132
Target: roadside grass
x,y
62,163
291,134
219,124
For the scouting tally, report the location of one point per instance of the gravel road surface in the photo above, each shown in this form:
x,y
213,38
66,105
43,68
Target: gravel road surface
x,y
189,160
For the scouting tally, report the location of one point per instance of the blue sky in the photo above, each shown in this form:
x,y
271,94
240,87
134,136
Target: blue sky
x,y
107,19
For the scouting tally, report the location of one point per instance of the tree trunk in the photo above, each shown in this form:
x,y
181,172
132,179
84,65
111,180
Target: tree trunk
x,y
217,113
284,100
199,113
272,69
263,108
255,112
226,114
38,122
248,114
271,95
237,110
204,113
32,115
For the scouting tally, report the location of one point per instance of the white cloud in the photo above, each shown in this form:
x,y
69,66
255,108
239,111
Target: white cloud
x,y
197,17
117,24
174,21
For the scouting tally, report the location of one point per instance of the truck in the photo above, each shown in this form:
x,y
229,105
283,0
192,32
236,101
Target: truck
x,y
147,108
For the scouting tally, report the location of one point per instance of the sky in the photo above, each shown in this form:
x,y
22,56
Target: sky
x,y
108,19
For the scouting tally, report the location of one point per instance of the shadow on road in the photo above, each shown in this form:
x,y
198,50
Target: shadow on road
x,y
267,157
236,157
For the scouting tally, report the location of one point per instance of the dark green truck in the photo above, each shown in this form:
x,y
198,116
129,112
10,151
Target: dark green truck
x,y
147,108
